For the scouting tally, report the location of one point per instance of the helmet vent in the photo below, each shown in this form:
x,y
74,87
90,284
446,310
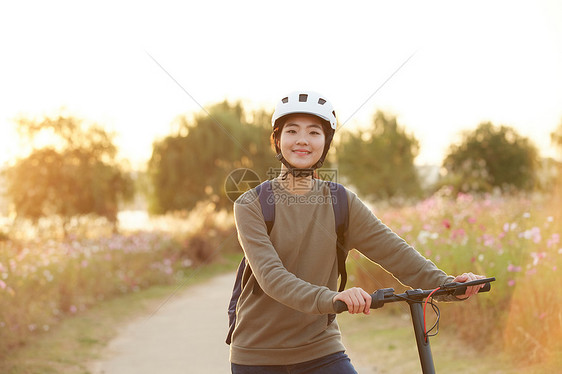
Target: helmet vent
x,y
321,101
285,100
303,98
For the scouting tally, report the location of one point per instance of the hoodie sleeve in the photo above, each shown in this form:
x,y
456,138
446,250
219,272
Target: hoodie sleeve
x,y
267,268
380,244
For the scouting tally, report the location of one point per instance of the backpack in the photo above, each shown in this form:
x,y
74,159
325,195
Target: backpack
x,y
341,212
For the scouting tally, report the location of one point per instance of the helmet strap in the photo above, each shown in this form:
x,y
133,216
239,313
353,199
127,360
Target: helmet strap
x,y
296,172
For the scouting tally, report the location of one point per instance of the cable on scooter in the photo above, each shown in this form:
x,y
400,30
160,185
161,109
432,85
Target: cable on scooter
x,y
425,332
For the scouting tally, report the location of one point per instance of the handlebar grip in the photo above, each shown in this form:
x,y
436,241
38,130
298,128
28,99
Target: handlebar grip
x,y
340,306
461,290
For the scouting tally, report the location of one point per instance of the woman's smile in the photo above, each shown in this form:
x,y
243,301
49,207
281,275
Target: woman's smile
x,y
301,152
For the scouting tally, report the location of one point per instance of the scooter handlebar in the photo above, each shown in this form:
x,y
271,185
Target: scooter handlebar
x,y
462,289
340,306
379,297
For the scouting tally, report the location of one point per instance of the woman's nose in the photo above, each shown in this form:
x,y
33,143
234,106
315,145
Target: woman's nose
x,y
302,140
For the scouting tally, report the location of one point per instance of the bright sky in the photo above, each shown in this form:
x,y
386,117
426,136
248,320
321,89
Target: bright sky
x,y
484,60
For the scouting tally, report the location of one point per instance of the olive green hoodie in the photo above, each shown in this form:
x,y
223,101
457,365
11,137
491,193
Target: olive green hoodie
x,y
285,319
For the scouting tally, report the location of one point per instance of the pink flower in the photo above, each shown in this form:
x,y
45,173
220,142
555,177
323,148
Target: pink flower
x,y
458,233
554,239
534,233
471,220
2,284
446,223
511,283
488,240
513,268
406,228
537,256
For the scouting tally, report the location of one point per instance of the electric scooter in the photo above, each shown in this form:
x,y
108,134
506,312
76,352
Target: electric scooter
x,y
415,299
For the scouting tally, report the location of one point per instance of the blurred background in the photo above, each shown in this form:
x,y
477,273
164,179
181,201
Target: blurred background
x,y
121,122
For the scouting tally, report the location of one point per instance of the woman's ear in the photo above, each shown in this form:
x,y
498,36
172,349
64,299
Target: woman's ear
x,y
273,142
275,138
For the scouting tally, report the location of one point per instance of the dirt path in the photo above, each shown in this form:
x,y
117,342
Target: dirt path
x,y
186,335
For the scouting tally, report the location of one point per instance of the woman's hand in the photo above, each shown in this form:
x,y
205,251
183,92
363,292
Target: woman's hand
x,y
356,299
472,290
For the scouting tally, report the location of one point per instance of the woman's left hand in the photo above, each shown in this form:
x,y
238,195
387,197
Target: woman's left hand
x,y
472,290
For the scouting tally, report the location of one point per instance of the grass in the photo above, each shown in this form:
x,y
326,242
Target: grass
x,y
384,343
68,347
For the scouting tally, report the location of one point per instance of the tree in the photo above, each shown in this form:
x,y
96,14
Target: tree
x,y
76,175
491,157
379,162
192,165
556,137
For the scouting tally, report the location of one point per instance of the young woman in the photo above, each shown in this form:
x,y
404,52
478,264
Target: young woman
x,y
283,322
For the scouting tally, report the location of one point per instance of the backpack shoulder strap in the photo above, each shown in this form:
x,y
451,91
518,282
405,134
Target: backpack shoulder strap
x,y
341,208
341,213
267,202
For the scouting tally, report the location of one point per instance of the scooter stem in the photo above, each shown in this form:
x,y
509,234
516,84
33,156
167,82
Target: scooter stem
x,y
424,349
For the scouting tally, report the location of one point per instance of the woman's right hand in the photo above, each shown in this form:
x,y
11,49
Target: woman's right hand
x,y
356,299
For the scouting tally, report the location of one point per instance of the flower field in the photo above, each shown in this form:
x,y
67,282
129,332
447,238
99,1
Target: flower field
x,y
44,279
516,240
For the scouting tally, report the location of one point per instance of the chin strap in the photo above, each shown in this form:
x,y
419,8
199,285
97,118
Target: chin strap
x,y
296,172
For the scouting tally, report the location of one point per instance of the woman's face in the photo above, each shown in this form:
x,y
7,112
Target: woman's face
x,y
302,140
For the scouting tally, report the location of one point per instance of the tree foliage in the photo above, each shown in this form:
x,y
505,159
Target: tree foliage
x,y
492,157
379,162
556,137
192,165
77,174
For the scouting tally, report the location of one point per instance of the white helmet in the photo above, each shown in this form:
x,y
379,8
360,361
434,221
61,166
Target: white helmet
x,y
308,102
